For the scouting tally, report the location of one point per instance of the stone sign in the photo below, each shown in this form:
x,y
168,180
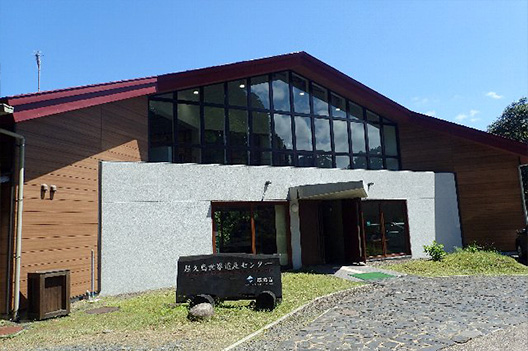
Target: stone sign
x,y
230,277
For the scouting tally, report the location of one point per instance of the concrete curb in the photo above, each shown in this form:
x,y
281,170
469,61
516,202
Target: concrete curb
x,y
297,310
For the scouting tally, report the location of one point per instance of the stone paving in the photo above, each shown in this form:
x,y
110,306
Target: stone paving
x,y
413,313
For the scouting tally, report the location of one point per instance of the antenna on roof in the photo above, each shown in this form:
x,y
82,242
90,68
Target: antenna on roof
x,y
38,55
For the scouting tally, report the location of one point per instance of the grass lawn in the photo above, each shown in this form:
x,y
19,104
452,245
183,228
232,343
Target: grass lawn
x,y
463,262
153,319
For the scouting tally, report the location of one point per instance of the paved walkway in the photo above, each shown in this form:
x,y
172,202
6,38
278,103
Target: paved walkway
x,y
412,313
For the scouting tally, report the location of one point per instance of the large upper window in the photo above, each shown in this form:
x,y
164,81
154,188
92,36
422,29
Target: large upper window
x,y
280,119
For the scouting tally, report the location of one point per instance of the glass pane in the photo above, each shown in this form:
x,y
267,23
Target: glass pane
x,y
355,112
215,155
238,157
282,136
338,106
374,139
322,134
389,135
189,94
233,230
324,161
372,117
281,233
214,125
281,92
260,157
372,226
301,97
188,124
303,133
265,234
261,130
343,162
305,160
238,128
260,92
320,100
395,227
359,162
392,164
341,136
282,159
164,96
358,137
161,117
160,154
214,94
188,154
237,93
376,163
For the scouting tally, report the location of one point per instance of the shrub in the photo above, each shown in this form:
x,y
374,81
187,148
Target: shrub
x,y
435,251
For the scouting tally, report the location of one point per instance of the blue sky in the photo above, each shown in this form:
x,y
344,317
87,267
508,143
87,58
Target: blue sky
x,y
463,61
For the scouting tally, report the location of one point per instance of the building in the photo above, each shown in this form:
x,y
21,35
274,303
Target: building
x,y
360,176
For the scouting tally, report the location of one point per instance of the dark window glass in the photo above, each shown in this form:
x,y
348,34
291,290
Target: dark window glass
x,y
164,96
260,92
161,135
187,154
301,97
373,233
281,92
389,135
238,157
392,163
359,162
282,136
324,160
305,160
374,139
261,130
372,117
282,159
303,133
343,162
213,155
237,93
188,124
375,163
355,112
341,136
395,227
358,137
320,100
265,231
214,125
214,94
322,134
260,157
189,94
338,106
233,230
238,128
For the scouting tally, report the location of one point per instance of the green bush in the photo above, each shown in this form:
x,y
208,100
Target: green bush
x,y
435,251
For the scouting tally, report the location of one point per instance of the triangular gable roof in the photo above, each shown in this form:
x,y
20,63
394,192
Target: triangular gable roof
x,y
35,105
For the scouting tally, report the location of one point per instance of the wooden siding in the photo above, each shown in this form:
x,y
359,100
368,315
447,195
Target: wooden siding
x,y
488,185
65,150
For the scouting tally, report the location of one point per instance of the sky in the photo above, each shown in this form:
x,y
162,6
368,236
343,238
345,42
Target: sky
x,y
459,60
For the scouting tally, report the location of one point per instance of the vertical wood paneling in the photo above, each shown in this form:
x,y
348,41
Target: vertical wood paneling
x,y
489,191
65,150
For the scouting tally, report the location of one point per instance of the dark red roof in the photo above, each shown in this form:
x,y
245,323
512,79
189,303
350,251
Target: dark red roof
x,y
35,105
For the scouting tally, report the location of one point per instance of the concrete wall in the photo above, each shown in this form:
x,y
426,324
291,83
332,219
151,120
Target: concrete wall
x,y
152,213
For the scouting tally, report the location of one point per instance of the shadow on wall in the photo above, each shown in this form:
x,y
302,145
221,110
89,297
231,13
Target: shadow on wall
x,y
447,220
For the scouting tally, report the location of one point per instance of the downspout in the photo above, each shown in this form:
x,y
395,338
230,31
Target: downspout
x,y
20,208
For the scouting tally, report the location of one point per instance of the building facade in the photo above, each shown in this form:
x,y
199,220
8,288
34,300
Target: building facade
x,y
278,155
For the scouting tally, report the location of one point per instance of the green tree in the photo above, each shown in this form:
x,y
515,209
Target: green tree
x,y
513,123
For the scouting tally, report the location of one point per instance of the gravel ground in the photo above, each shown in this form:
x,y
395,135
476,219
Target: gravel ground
x,y
513,339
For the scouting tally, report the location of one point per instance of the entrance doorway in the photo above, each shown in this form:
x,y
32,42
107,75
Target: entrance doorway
x,y
330,231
